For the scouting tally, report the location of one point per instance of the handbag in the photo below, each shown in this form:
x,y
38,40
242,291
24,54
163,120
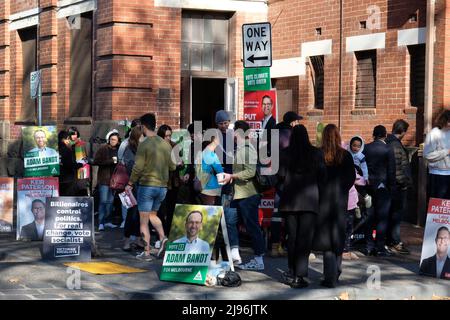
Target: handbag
x,y
119,178
264,182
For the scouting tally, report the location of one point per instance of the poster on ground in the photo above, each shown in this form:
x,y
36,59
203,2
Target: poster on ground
x,y
31,198
68,229
6,204
435,258
192,236
40,145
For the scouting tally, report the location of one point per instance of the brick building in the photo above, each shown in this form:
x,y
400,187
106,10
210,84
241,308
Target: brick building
x,y
107,60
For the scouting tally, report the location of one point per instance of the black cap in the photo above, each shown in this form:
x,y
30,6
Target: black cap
x,y
291,116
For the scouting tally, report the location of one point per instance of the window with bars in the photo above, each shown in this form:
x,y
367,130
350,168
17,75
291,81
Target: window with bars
x,y
417,75
28,38
366,78
204,42
81,67
317,78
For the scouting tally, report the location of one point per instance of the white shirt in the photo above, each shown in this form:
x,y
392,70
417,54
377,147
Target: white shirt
x,y
439,266
197,245
40,229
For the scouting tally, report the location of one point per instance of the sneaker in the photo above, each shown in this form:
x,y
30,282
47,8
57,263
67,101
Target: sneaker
x,y
101,227
235,256
110,225
162,248
399,248
368,201
144,257
312,257
252,265
157,244
122,225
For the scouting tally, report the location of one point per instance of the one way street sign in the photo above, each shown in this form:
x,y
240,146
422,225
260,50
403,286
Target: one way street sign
x,y
257,45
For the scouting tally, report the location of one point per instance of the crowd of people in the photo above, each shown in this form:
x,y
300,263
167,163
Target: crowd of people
x,y
320,191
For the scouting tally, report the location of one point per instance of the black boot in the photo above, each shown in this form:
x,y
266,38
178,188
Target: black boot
x,y
299,283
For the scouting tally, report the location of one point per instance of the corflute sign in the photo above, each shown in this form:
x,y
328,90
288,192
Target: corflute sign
x,y
257,45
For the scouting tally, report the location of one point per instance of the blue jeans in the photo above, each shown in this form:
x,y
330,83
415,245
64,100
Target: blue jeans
x,y
248,209
106,203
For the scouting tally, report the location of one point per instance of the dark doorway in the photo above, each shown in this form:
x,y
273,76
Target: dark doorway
x,y
207,98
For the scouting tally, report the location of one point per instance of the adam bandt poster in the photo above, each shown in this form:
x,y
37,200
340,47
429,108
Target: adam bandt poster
x,y
41,158
435,260
31,198
192,236
6,204
68,229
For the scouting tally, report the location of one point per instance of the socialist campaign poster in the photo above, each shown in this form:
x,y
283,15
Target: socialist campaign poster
x,y
435,258
68,229
189,249
6,204
31,201
40,145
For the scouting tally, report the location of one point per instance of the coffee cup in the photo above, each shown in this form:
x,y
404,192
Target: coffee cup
x,y
114,159
220,177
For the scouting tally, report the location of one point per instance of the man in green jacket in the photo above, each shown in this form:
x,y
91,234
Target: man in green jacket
x,y
151,174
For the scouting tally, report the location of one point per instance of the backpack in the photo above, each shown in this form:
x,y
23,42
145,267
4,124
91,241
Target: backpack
x,y
119,178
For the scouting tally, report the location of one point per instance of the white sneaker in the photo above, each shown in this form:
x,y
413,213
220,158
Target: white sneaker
x,y
235,256
122,225
101,227
251,265
110,225
157,244
143,257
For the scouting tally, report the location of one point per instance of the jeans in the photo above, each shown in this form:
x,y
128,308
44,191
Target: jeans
x,y
248,209
439,186
398,207
378,216
106,203
300,229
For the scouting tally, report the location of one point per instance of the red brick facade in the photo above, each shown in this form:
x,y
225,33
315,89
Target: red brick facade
x,y
137,62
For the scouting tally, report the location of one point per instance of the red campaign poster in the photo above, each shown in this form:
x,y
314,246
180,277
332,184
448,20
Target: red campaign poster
x,y
253,108
266,208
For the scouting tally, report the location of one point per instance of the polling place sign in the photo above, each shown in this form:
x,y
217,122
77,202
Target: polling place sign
x,y
68,229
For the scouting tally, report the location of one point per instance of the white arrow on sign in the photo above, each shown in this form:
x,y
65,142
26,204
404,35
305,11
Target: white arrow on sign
x,y
257,45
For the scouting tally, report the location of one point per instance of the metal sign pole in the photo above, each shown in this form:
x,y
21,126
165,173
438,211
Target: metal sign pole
x,y
40,102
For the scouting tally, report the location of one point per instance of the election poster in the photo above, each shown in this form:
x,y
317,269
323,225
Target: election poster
x,y
31,198
258,105
68,229
190,245
6,204
435,258
40,145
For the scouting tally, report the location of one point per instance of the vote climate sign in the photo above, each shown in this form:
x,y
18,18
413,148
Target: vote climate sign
x,y
257,45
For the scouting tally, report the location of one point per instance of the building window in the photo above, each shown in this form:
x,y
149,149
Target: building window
x,y
204,42
417,75
317,76
366,78
81,67
28,38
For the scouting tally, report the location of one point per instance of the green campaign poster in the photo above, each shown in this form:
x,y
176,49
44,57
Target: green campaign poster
x,y
257,79
40,145
189,249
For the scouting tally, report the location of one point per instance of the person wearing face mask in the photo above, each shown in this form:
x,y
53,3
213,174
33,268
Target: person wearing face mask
x,y
106,159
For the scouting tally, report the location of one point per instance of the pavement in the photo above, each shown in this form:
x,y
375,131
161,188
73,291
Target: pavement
x,y
25,276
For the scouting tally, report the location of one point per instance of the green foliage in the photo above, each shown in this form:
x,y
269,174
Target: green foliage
x,y
211,221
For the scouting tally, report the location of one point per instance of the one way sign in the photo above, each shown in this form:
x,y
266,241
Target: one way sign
x,y
257,45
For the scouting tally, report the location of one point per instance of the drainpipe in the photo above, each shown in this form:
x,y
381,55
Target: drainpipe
x,y
428,112
340,65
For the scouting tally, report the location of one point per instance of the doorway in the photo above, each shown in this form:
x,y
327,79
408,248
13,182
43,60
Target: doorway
x,y
208,97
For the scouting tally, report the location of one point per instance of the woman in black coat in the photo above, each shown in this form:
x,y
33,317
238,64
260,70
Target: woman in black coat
x,y
301,176
329,235
69,167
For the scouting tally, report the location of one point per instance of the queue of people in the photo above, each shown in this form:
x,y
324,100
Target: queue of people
x,y
320,190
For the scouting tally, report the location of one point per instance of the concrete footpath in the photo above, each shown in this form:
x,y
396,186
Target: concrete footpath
x,y
23,275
